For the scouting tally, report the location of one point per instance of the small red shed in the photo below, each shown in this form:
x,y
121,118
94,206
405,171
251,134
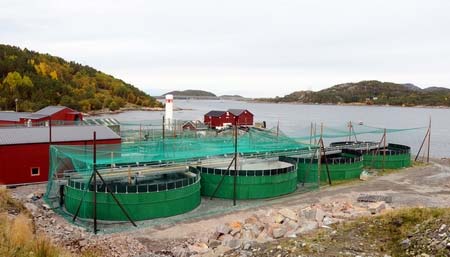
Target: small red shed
x,y
24,152
58,114
215,119
244,116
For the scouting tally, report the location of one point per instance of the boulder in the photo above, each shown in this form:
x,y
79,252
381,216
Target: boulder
x,y
306,226
233,243
198,248
376,207
279,232
278,218
223,229
288,214
214,243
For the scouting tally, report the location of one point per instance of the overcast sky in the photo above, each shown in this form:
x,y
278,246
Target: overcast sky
x,y
248,47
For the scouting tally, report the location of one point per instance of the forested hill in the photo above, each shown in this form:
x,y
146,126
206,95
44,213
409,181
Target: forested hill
x,y
191,93
371,92
38,80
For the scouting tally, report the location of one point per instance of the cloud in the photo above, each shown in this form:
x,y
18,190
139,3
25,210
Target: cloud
x,y
256,48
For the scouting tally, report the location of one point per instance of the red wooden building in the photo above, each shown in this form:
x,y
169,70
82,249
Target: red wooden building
x,y
244,117
24,152
216,119
58,115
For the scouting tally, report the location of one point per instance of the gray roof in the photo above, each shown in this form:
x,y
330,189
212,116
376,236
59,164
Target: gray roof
x,y
12,116
15,136
236,112
215,113
49,110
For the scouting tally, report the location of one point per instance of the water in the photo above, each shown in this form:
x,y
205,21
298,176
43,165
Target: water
x,y
295,119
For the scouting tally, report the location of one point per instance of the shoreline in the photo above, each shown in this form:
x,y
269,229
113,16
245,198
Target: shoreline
x,y
355,104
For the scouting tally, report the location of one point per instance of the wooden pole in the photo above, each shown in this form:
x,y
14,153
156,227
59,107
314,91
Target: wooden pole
x,y
310,133
429,141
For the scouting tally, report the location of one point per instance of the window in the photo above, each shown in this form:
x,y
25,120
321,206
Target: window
x,y
35,171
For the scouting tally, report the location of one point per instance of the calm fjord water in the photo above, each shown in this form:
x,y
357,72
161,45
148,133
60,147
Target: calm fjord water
x,y
295,119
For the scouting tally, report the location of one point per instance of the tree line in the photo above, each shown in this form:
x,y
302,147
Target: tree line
x,y
37,80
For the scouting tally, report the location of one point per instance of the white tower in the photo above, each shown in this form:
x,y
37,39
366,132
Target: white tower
x,y
169,111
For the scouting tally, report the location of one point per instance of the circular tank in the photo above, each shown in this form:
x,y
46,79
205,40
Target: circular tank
x,y
143,197
255,179
394,156
342,166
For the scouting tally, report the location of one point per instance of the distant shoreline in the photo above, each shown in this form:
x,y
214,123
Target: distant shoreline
x,y
159,109
355,104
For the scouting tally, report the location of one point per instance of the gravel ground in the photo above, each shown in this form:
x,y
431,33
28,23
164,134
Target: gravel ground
x,y
420,186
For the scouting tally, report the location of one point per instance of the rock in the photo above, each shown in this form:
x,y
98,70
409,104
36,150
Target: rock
x,y
236,225
31,207
248,235
46,207
319,215
364,175
288,214
246,245
233,243
263,237
306,226
376,207
405,243
252,219
198,248
225,237
327,221
221,249
180,252
214,243
83,242
278,218
279,232
223,229
442,228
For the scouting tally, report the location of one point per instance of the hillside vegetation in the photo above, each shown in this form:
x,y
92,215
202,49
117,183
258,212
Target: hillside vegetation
x,y
17,233
371,92
38,80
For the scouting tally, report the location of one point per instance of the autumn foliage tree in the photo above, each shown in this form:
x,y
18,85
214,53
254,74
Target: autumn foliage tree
x,y
38,80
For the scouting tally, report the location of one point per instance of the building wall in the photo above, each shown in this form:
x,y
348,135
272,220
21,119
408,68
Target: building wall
x,y
219,121
16,161
246,118
6,122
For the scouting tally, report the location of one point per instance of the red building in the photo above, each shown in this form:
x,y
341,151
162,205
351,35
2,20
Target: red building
x,y
244,117
227,118
58,115
24,152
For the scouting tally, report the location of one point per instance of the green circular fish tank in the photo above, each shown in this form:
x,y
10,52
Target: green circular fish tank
x,y
255,179
143,197
393,156
342,166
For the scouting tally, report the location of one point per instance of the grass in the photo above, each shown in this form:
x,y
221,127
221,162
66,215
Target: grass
x,y
17,233
374,236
